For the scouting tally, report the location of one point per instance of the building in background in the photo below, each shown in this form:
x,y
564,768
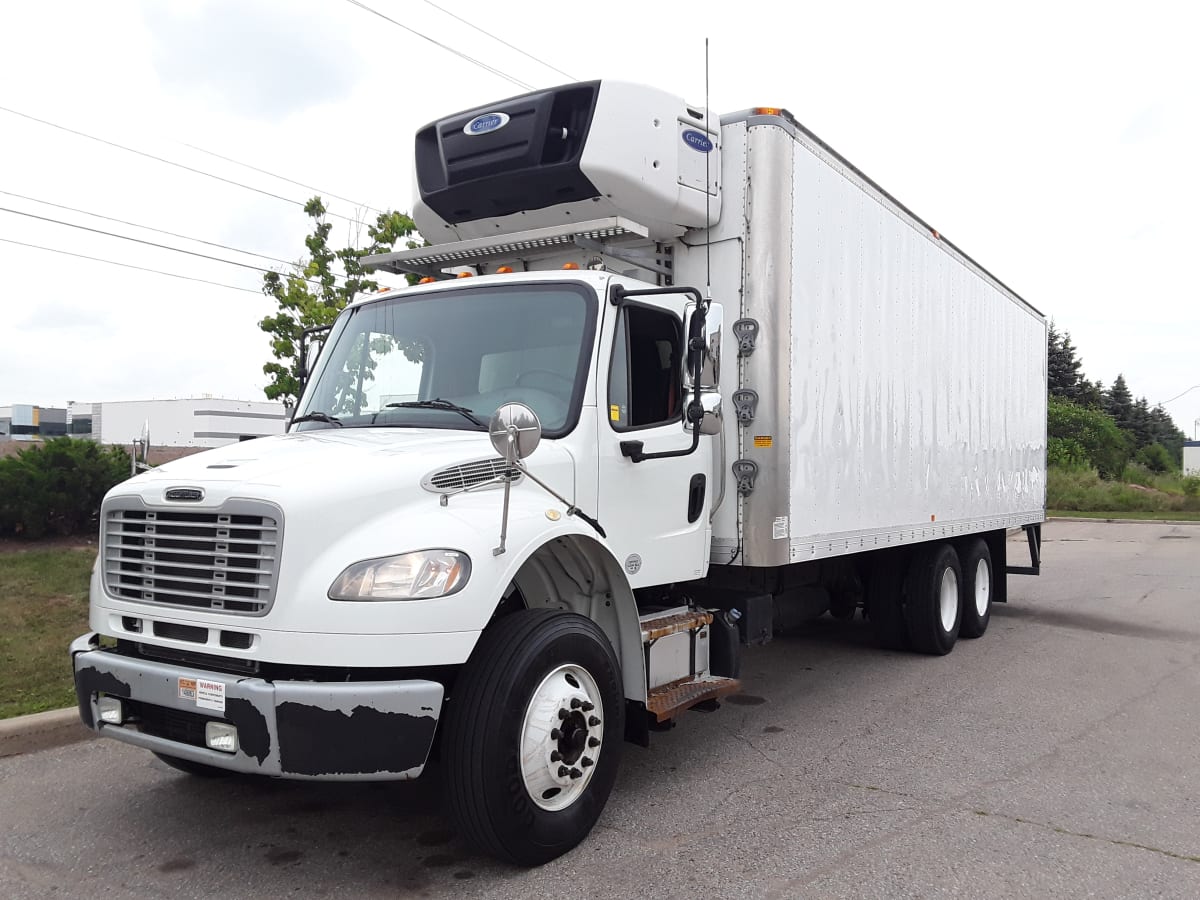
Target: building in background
x,y
198,422
1191,458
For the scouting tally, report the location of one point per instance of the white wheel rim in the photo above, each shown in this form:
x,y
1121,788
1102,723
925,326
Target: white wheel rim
x,y
983,587
948,599
561,737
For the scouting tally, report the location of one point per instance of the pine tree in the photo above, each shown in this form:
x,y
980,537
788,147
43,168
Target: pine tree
x,y
1118,403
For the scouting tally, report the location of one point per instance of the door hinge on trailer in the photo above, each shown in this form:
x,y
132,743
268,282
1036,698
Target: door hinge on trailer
x,y
745,471
745,403
746,332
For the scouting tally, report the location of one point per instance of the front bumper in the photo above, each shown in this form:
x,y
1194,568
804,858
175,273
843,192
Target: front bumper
x,y
344,730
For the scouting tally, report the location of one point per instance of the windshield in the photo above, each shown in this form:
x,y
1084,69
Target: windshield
x,y
448,359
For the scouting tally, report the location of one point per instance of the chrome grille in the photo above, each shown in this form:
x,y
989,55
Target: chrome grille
x,y
467,475
226,560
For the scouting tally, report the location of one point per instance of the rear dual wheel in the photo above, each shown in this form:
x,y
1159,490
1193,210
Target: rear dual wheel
x,y
933,599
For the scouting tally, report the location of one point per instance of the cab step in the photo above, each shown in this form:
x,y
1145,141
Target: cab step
x,y
669,700
672,621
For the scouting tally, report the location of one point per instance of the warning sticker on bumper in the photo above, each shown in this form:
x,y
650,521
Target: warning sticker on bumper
x,y
187,689
210,694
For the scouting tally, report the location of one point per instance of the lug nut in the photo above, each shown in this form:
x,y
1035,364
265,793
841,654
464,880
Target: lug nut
x,y
555,734
555,756
562,713
585,762
576,703
593,721
588,707
593,742
575,773
563,771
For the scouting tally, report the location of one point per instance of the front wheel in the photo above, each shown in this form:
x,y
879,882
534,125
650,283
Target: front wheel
x,y
533,735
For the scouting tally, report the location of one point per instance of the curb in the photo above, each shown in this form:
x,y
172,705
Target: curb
x,y
1123,521
41,731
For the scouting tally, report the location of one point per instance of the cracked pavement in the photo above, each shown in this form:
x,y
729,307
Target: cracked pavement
x,y
1056,756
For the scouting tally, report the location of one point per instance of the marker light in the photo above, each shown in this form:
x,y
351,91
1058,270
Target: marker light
x,y
221,736
504,270
768,111
428,279
571,266
410,576
110,710
466,274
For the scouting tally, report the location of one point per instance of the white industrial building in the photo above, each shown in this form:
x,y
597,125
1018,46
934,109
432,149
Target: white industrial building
x,y
1191,458
189,422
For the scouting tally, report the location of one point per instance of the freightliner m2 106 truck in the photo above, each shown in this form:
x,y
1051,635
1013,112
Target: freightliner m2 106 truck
x,y
667,385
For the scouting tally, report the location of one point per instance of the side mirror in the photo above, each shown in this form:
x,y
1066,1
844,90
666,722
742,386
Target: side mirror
x,y
710,366
515,431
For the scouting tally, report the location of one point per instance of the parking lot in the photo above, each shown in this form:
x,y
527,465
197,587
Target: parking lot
x,y
1057,756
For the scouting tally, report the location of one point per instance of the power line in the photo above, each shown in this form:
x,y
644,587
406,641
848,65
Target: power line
x,y
471,24
307,187
113,262
125,237
173,234
446,47
169,162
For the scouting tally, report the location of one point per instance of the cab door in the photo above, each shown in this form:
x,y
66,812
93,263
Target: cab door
x,y
655,511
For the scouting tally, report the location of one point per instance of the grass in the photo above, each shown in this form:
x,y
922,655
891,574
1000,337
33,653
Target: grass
x,y
1167,515
43,607
1071,491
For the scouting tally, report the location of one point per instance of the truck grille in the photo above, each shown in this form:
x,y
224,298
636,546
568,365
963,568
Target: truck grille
x,y
468,475
225,560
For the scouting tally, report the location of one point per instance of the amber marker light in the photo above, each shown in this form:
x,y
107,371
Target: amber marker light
x,y
571,266
428,279
504,270
768,111
466,274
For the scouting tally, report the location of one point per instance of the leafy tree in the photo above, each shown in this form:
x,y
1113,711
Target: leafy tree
x,y
1156,458
1107,449
57,487
311,294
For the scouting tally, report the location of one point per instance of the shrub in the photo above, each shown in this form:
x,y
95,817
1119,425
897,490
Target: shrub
x,y
1067,453
1191,486
1156,458
1106,447
56,487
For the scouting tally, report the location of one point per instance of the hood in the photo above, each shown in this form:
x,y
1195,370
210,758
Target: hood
x,y
333,463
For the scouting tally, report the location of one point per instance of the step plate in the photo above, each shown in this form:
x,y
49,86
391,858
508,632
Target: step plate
x,y
653,629
668,701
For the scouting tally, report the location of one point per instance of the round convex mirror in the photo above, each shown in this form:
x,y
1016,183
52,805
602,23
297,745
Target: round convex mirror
x,y
518,423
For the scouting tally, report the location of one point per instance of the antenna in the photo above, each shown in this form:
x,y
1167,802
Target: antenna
x,y
708,185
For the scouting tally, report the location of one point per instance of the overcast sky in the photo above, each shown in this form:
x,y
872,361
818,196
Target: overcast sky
x,y
1057,143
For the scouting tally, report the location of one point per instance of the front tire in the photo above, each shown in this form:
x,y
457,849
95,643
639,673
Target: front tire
x,y
533,735
933,599
977,589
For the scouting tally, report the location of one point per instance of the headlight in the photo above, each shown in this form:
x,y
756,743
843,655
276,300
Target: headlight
x,y
411,576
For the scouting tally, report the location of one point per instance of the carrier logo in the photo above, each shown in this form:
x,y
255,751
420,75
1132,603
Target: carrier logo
x,y
186,494
485,123
697,141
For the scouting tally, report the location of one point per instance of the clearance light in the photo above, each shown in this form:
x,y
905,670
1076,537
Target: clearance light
x,y
428,279
110,710
768,111
221,736
572,266
383,290
504,270
466,274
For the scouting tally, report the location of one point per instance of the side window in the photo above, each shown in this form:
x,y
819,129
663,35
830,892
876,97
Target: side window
x,y
644,384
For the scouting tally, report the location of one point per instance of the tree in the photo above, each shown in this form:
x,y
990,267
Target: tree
x,y
311,294
1118,403
1062,365
1071,428
56,487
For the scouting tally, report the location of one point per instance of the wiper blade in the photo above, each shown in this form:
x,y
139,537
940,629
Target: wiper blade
x,y
319,417
438,403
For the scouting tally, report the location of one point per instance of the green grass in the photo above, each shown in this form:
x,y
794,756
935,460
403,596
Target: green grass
x,y
1167,515
43,607
1071,491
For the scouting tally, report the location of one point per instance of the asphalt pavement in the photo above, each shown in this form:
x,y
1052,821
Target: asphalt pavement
x,y
1059,755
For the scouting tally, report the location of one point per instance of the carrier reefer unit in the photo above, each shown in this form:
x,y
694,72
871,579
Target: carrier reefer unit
x,y
667,385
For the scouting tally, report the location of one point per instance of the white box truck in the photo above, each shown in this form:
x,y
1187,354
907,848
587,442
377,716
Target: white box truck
x,y
667,385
